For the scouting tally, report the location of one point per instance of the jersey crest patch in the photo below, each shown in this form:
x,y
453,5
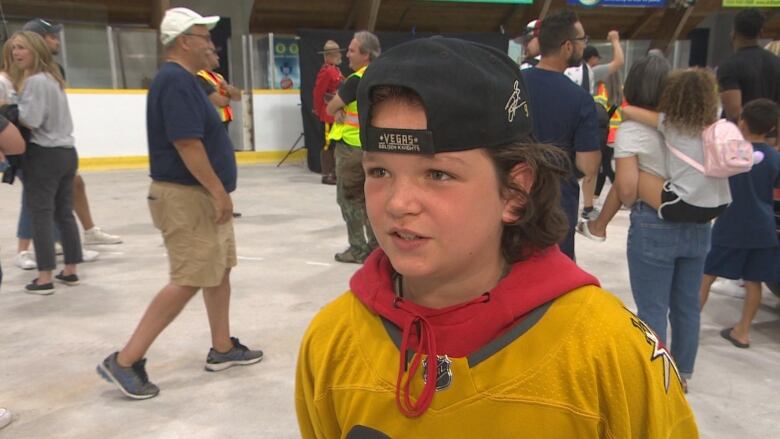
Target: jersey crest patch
x,y
659,351
443,372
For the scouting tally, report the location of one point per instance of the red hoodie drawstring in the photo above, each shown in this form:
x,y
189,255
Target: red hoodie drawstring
x,y
427,342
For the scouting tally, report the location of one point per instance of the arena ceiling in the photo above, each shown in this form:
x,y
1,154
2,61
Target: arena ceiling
x,y
285,16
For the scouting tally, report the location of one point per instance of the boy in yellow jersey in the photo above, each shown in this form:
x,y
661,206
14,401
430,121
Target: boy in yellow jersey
x,y
465,206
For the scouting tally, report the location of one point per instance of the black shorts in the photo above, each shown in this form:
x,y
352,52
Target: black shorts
x,y
675,210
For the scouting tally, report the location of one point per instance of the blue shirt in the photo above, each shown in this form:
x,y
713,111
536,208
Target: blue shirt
x,y
177,109
564,115
749,221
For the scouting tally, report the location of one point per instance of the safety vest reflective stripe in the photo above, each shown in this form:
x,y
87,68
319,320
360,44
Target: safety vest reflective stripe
x,y
351,119
351,132
216,80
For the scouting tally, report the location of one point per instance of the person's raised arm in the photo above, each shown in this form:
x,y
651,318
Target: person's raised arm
x,y
618,59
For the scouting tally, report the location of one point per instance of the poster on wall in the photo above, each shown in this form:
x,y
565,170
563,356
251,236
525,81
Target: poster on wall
x,y
751,3
620,3
288,73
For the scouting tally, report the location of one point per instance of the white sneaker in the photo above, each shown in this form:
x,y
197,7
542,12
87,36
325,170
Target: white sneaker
x,y
89,255
95,236
5,417
25,260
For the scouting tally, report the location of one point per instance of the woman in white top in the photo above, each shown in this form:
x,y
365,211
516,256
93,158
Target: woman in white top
x,y
50,162
665,259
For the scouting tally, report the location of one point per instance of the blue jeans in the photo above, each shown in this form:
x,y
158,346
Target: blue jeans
x,y
665,266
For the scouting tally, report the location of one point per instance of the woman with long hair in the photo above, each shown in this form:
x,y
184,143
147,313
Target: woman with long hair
x,y
665,258
50,162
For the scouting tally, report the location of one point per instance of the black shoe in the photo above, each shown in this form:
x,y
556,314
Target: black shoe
x,y
237,215
71,279
41,289
329,179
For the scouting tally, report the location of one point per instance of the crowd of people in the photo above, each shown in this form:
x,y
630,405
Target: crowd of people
x,y
458,174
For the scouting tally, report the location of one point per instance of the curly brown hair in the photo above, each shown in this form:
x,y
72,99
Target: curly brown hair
x,y
690,100
541,221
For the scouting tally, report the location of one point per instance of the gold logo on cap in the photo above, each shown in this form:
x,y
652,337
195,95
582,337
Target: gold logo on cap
x,y
515,101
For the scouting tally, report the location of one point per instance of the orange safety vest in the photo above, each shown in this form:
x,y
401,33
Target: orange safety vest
x,y
216,80
602,97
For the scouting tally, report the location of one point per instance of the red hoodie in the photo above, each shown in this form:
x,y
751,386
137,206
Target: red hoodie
x,y
462,329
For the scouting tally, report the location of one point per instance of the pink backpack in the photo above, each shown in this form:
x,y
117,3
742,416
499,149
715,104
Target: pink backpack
x,y
726,152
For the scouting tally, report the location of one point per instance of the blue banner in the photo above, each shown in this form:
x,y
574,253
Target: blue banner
x,y
619,3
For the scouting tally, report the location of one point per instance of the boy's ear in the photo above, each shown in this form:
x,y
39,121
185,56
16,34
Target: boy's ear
x,y
521,176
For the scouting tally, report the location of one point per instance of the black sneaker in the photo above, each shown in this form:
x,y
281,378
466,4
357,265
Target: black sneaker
x,y
239,355
132,381
41,289
70,279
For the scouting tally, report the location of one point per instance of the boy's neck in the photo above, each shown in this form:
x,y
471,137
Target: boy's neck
x,y
438,293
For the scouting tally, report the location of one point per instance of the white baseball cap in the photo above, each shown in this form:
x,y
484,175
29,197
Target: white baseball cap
x,y
178,20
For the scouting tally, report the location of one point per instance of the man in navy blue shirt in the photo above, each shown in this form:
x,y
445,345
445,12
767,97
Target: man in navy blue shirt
x,y
193,169
564,114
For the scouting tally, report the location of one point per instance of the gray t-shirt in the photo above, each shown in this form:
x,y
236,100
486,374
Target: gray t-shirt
x,y
43,107
690,185
646,143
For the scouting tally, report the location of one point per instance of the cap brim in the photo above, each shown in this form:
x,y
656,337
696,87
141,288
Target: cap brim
x,y
209,22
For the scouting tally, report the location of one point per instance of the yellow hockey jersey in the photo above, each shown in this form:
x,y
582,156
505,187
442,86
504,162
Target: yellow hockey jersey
x,y
582,366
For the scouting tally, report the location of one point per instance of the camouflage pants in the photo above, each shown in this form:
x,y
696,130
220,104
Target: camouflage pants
x,y
351,198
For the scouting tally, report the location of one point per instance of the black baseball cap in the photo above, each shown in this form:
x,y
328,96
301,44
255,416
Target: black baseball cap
x,y
42,27
473,95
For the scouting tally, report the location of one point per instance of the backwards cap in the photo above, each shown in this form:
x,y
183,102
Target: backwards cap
x,y
473,96
42,27
178,20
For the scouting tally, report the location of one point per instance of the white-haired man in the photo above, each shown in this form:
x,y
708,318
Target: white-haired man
x,y
193,169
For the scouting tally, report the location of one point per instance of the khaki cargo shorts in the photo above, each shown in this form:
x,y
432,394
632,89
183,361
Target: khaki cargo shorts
x,y
199,250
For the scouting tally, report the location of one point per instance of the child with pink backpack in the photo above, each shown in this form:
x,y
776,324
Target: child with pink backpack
x,y
702,152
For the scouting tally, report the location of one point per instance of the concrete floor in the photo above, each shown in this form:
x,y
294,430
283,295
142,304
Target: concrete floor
x,y
290,229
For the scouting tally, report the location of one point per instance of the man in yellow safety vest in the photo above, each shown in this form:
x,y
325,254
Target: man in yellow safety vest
x,y
220,93
345,136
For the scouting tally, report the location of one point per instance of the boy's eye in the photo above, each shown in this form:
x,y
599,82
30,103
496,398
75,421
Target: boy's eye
x,y
376,172
435,174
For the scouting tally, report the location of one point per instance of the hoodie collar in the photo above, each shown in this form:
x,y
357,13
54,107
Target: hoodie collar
x,y
461,329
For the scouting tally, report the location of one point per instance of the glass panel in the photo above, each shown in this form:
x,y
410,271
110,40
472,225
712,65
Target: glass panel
x,y
259,64
136,57
87,57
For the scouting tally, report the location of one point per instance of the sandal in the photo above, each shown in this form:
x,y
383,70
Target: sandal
x,y
582,229
726,333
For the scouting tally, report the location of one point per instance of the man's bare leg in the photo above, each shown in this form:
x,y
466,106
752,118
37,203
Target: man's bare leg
x,y
161,312
217,300
706,284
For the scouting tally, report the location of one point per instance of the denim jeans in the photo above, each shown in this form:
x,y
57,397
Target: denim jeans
x,y
665,266
24,228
